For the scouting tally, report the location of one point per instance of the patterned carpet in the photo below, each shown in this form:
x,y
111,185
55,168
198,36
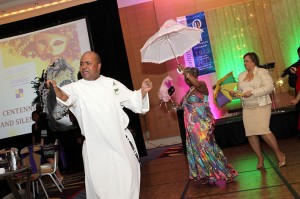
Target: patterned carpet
x,y
160,152
73,186
74,182
80,195
172,151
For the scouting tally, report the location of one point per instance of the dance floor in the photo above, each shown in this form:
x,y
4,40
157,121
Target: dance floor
x,y
166,177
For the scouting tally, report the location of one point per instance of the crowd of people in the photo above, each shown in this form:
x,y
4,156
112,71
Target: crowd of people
x,y
111,160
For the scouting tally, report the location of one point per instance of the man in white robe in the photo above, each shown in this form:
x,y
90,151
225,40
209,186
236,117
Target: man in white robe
x,y
112,169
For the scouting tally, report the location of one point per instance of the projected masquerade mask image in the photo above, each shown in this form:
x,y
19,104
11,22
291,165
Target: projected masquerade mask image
x,y
50,44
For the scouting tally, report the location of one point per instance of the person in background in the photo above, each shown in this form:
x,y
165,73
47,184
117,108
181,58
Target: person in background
x,y
291,71
254,86
111,161
295,101
41,135
35,128
207,162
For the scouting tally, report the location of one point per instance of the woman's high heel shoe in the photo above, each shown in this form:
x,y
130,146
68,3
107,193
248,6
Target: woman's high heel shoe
x,y
260,167
282,164
61,180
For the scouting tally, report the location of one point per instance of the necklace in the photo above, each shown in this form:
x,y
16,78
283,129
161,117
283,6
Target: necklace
x,y
186,96
190,91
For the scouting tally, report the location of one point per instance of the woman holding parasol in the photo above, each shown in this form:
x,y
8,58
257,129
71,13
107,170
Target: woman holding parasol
x,y
207,162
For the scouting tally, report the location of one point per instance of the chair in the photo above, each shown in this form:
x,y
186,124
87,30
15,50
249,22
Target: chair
x,y
3,152
50,169
31,155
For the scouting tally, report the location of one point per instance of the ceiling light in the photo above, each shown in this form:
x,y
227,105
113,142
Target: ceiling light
x,y
36,6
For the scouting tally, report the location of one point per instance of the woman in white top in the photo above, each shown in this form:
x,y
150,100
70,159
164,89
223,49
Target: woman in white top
x,y
254,86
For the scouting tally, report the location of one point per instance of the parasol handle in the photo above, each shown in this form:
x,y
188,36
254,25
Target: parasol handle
x,y
172,49
179,67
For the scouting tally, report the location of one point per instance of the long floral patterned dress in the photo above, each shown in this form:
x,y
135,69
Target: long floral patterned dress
x,y
206,160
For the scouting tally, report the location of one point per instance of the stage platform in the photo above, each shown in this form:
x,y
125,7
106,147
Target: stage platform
x,y
230,131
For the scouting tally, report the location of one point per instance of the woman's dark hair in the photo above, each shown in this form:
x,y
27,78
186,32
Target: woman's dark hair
x,y
253,56
193,71
35,112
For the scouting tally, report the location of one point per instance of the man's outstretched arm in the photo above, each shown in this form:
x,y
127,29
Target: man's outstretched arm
x,y
58,92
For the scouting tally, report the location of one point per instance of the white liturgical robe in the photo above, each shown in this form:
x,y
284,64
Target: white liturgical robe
x,y
112,170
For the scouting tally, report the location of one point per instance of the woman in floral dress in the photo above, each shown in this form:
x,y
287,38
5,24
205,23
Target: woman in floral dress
x,y
207,162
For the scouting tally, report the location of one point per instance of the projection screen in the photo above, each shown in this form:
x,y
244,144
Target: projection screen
x,y
23,58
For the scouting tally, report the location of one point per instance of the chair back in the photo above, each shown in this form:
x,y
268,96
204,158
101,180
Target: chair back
x,y
31,155
56,154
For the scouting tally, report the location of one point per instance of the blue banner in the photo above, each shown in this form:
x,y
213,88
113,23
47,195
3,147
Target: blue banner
x,y
201,55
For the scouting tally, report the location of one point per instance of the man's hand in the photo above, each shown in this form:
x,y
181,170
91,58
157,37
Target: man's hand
x,y
50,81
146,86
57,90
